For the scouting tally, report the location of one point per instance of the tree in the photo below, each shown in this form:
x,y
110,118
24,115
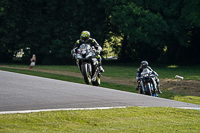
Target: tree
x,y
8,30
183,19
142,31
166,30
49,29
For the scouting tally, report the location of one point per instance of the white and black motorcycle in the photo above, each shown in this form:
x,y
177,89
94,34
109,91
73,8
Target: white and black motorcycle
x,y
148,84
88,64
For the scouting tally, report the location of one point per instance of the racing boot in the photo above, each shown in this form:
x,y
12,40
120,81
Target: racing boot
x,y
158,86
100,64
101,69
159,91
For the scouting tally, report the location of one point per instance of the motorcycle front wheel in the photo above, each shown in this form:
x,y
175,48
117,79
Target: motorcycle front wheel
x,y
141,88
141,91
148,89
97,81
86,74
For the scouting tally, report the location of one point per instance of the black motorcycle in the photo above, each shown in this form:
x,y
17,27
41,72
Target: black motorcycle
x,y
88,64
148,84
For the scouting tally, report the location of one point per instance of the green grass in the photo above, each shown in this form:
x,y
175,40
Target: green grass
x,y
129,120
188,72
72,68
187,99
130,70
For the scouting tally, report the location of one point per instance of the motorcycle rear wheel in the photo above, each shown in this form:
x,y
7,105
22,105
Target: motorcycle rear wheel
x,y
86,74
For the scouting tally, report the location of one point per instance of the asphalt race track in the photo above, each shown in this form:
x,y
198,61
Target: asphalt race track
x,y
19,92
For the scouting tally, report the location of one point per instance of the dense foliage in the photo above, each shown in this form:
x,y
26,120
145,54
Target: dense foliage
x,y
158,31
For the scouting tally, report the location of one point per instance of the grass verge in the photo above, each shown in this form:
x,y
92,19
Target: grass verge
x,y
128,70
130,119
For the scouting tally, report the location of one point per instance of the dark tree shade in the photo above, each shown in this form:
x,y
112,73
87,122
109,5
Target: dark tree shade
x,y
159,31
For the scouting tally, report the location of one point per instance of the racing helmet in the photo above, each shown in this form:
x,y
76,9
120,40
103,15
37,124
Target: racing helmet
x,y
85,35
144,64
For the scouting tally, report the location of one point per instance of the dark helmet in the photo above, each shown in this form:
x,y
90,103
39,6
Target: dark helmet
x,y
85,35
144,64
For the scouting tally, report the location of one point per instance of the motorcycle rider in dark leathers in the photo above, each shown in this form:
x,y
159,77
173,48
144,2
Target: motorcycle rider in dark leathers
x,y
85,38
144,64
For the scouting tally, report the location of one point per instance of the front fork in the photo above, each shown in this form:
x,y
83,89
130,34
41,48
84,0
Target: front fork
x,y
142,85
80,63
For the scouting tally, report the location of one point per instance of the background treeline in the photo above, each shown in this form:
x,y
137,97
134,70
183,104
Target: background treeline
x,y
162,31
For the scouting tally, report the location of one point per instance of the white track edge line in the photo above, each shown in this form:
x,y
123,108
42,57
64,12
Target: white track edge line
x,y
66,109
45,110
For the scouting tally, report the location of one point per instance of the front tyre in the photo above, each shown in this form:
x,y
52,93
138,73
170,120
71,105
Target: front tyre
x,y
97,82
86,74
141,91
141,88
148,89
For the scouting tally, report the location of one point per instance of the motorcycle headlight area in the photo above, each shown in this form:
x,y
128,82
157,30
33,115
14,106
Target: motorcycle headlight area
x,y
83,51
79,56
145,75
